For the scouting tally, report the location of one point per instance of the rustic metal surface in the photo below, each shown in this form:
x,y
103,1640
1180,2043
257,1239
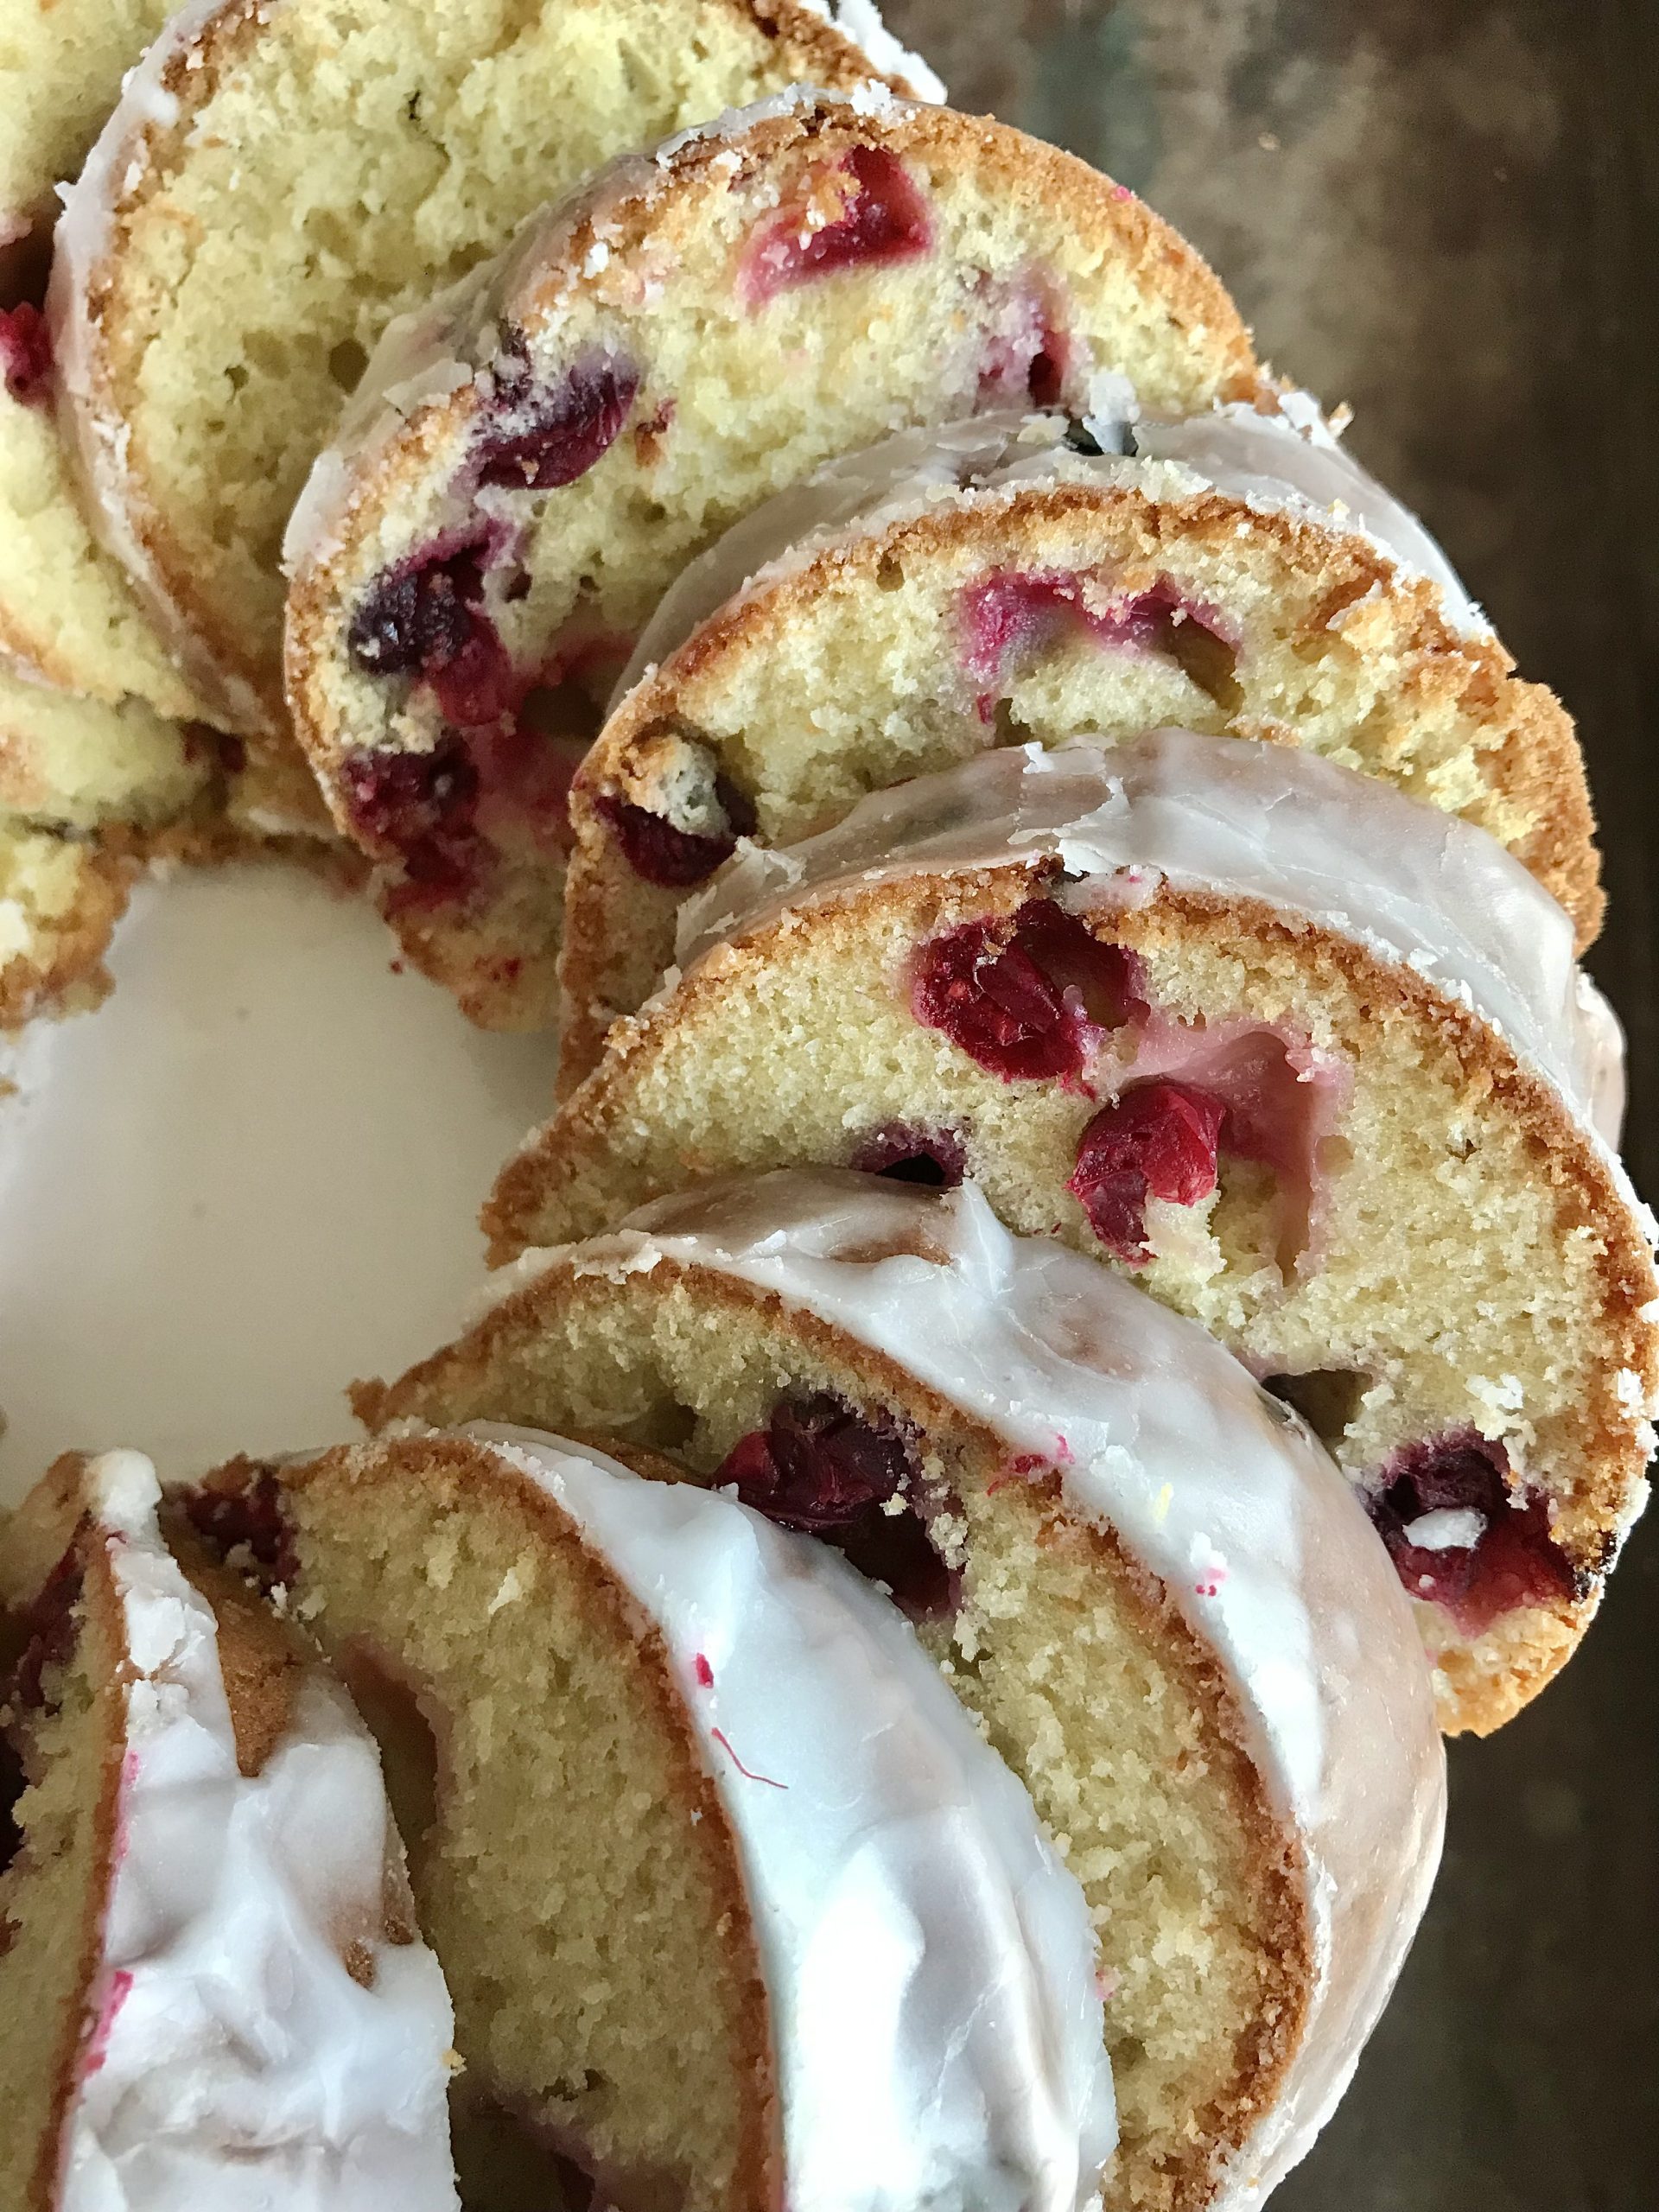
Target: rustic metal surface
x,y
1445,211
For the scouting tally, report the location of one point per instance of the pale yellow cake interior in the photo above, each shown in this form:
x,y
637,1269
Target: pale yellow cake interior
x,y
1081,1690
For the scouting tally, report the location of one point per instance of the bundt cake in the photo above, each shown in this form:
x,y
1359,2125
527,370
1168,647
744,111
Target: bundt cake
x,y
211,1988
1309,1059
1136,1569
738,1910
529,463
274,183
59,901
990,586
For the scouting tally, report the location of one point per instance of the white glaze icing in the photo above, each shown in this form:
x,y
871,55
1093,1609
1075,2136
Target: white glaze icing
x,y
230,2058
1245,820
929,1961
1287,462
1211,1484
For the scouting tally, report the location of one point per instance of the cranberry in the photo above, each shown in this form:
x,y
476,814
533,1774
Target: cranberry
x,y
673,858
250,1520
1025,997
1158,1140
933,1158
1514,1561
26,355
553,436
421,806
876,214
42,1635
426,618
824,1470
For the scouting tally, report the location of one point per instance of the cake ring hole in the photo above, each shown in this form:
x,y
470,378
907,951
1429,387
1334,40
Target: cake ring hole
x,y
507,2160
1327,1398
398,1715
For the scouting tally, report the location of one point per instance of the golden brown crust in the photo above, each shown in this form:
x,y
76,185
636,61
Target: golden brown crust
x,y
619,931
453,1468
461,1383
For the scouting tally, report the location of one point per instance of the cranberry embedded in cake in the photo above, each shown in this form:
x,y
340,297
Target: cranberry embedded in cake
x,y
1011,615
26,355
1157,1140
671,857
824,1470
247,1528
1029,352
537,440
1026,998
863,209
1461,1539
420,807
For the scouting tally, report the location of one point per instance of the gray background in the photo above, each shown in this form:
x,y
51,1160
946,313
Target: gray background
x,y
1445,211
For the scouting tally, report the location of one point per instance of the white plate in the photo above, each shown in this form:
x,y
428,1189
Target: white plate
x,y
250,1177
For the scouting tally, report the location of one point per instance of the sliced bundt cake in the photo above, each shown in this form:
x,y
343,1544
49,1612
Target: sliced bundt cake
x,y
1310,1060
991,586
274,185
59,901
738,1910
61,72
211,1987
1135,1568
529,464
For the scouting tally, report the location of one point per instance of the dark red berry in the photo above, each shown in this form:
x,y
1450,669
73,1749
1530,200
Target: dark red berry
x,y
935,1159
247,1526
420,808
420,615
1158,1140
37,1637
1025,997
26,355
877,214
1014,615
1515,1559
824,1470
549,437
675,858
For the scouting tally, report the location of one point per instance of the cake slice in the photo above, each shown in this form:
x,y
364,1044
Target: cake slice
x,y
212,1990
1311,1061
1136,1569
59,901
529,463
738,1910
1235,571
277,183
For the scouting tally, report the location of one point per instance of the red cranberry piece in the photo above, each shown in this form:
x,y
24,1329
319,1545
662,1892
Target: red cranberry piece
x,y
1158,1140
876,211
1011,615
421,807
250,1523
551,436
935,1159
1023,998
42,1635
1513,1560
824,1470
26,355
419,615
655,849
